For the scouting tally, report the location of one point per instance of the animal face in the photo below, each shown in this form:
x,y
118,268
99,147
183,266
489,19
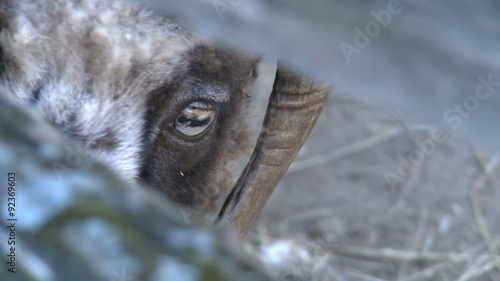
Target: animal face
x,y
142,93
196,124
148,97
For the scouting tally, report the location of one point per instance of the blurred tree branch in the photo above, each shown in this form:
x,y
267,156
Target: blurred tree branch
x,y
76,220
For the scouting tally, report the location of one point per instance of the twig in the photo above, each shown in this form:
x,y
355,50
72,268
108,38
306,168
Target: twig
x,y
335,273
478,268
476,206
313,214
363,277
400,255
365,144
482,165
408,186
421,226
435,269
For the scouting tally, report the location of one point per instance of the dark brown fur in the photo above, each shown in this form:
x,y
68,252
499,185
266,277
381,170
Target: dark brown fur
x,y
191,164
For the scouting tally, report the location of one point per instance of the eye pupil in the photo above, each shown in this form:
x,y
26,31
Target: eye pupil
x,y
195,119
182,120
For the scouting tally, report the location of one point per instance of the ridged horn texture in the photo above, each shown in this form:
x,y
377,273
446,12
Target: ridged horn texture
x,y
294,107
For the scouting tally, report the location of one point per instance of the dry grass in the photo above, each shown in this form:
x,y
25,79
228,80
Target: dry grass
x,y
440,224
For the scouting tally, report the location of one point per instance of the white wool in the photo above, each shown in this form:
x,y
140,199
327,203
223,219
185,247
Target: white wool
x,y
60,47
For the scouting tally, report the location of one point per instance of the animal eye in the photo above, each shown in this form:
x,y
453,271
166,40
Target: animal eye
x,y
195,119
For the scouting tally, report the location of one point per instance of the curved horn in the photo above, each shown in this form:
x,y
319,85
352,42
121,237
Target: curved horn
x,y
294,106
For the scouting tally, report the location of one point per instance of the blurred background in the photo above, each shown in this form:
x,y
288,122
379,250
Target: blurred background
x,y
378,192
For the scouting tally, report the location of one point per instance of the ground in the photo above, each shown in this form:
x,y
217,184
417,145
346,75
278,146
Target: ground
x,y
439,221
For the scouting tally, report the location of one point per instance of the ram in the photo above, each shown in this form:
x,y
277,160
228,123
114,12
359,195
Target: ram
x,y
154,101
